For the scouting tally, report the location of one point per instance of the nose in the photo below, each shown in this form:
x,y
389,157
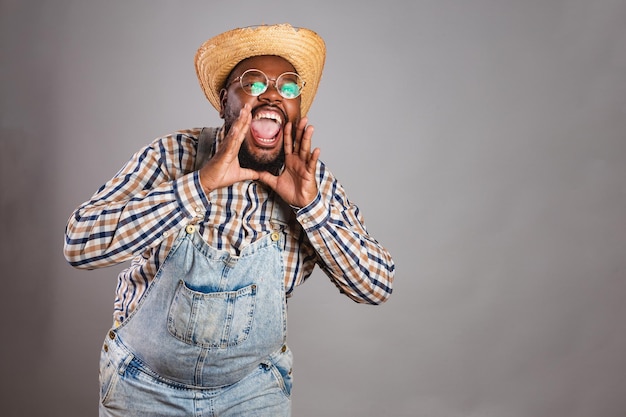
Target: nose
x,y
271,95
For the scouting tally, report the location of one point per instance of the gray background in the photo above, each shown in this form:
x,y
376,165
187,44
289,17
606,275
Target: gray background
x,y
483,140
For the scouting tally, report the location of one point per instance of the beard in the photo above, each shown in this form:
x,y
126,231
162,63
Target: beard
x,y
270,163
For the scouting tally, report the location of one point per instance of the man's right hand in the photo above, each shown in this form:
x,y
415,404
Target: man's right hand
x,y
223,168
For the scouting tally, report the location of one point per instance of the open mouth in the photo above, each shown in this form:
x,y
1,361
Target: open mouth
x,y
266,127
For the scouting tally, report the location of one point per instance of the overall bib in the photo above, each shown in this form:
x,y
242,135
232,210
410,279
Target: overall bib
x,y
208,336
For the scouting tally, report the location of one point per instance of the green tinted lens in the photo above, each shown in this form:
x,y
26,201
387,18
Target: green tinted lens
x,y
257,88
254,82
290,90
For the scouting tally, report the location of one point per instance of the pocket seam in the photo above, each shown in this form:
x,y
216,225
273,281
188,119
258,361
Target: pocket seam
x,y
185,299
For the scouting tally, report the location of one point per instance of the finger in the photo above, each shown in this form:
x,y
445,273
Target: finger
x,y
305,142
248,174
268,179
237,132
299,130
287,140
312,163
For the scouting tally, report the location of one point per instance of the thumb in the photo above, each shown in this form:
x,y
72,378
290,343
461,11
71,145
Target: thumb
x,y
249,174
268,179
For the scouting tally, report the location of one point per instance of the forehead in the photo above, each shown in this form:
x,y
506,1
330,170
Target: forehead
x,y
270,64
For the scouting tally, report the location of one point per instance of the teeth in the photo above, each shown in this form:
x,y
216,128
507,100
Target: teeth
x,y
269,115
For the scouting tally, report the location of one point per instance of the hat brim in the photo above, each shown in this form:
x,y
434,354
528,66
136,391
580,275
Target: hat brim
x,y
303,48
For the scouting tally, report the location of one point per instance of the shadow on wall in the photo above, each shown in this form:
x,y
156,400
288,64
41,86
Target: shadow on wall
x,y
25,255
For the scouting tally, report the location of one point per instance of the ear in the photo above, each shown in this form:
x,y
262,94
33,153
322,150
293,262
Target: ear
x,y
223,98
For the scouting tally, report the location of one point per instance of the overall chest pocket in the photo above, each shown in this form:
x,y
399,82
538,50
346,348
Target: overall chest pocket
x,y
211,320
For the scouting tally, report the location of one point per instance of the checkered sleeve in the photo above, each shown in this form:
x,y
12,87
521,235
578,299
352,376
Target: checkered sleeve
x,y
359,266
151,196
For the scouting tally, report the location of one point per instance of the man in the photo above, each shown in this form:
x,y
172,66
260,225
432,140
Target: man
x,y
220,226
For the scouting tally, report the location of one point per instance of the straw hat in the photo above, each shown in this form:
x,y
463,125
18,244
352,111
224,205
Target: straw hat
x,y
303,48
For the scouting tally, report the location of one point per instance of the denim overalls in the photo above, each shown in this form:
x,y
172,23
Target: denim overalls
x,y
208,336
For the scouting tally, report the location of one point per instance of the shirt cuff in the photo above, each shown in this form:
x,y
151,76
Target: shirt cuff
x,y
190,196
314,215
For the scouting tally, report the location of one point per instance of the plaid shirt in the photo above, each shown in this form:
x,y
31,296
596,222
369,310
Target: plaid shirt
x,y
137,216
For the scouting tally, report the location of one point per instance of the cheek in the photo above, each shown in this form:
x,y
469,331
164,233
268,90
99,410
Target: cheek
x,y
230,114
232,104
293,111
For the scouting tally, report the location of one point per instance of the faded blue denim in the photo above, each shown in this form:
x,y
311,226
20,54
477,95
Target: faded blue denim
x,y
207,339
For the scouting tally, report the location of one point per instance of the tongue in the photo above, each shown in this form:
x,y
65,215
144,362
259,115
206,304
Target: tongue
x,y
264,128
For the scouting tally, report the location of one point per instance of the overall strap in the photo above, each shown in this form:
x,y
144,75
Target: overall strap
x,y
281,214
206,140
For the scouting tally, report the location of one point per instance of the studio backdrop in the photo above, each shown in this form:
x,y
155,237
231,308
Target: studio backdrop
x,y
484,142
